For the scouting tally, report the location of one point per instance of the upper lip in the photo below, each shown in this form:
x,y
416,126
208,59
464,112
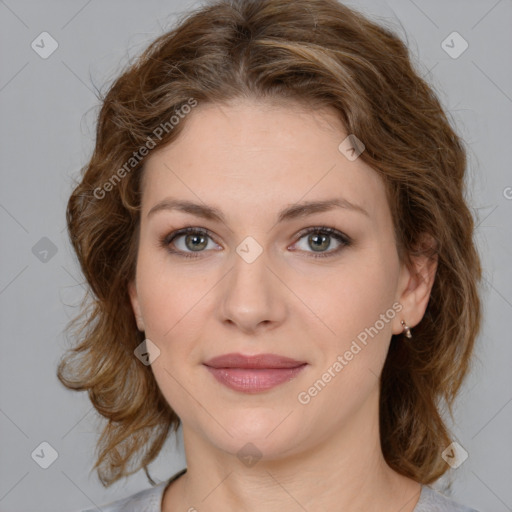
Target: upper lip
x,y
235,360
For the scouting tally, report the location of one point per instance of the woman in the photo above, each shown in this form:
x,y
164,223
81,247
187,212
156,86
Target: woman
x,y
274,229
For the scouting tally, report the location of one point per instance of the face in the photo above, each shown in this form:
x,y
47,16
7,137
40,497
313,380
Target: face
x,y
322,286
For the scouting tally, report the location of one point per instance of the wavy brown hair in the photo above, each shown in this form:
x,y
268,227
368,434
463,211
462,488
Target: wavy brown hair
x,y
314,52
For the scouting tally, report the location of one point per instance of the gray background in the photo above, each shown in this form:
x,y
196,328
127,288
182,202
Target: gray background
x,y
48,109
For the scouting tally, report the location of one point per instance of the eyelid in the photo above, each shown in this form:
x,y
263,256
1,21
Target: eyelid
x,y
323,229
187,230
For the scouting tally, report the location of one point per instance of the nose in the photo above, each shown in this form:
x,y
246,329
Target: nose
x,y
253,296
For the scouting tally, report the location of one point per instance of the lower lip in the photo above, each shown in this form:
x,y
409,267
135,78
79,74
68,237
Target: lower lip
x,y
251,380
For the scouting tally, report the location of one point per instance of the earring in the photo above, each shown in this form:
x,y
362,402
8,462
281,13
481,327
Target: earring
x,y
406,329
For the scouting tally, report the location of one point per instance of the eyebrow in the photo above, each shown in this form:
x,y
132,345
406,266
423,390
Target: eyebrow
x,y
292,212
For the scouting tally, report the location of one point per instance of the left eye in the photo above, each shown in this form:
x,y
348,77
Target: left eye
x,y
320,239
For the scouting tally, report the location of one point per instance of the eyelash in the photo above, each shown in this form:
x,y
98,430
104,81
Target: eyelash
x,y
345,240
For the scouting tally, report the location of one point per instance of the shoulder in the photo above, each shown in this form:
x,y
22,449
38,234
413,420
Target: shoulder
x,y
433,501
147,500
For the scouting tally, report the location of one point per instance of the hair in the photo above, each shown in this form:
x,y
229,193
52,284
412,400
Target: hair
x,y
322,54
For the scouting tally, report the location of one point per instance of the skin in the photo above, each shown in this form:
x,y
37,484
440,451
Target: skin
x,y
252,159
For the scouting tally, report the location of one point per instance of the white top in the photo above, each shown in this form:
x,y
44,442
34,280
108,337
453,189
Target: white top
x,y
150,500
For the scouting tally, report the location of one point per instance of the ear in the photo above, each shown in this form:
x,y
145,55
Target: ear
x,y
415,284
134,299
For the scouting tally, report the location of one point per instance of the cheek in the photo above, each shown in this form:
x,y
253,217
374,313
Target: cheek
x,y
359,306
171,309
356,353
173,304
165,293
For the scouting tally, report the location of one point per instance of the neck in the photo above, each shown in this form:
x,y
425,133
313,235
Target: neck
x,y
345,471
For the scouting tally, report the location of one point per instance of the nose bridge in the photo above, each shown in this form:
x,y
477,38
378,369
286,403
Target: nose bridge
x,y
251,294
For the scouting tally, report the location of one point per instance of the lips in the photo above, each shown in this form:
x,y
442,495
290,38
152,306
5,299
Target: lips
x,y
257,361
253,374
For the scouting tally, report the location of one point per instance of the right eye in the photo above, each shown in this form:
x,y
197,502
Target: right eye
x,y
192,240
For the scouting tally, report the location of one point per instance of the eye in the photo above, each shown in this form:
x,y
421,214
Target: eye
x,y
194,240
320,239
187,241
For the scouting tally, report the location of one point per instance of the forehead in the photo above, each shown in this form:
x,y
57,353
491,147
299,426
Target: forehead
x,y
261,153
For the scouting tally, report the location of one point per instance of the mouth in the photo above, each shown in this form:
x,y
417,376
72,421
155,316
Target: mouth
x,y
253,374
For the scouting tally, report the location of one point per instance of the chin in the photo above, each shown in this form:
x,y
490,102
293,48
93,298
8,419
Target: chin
x,y
269,437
